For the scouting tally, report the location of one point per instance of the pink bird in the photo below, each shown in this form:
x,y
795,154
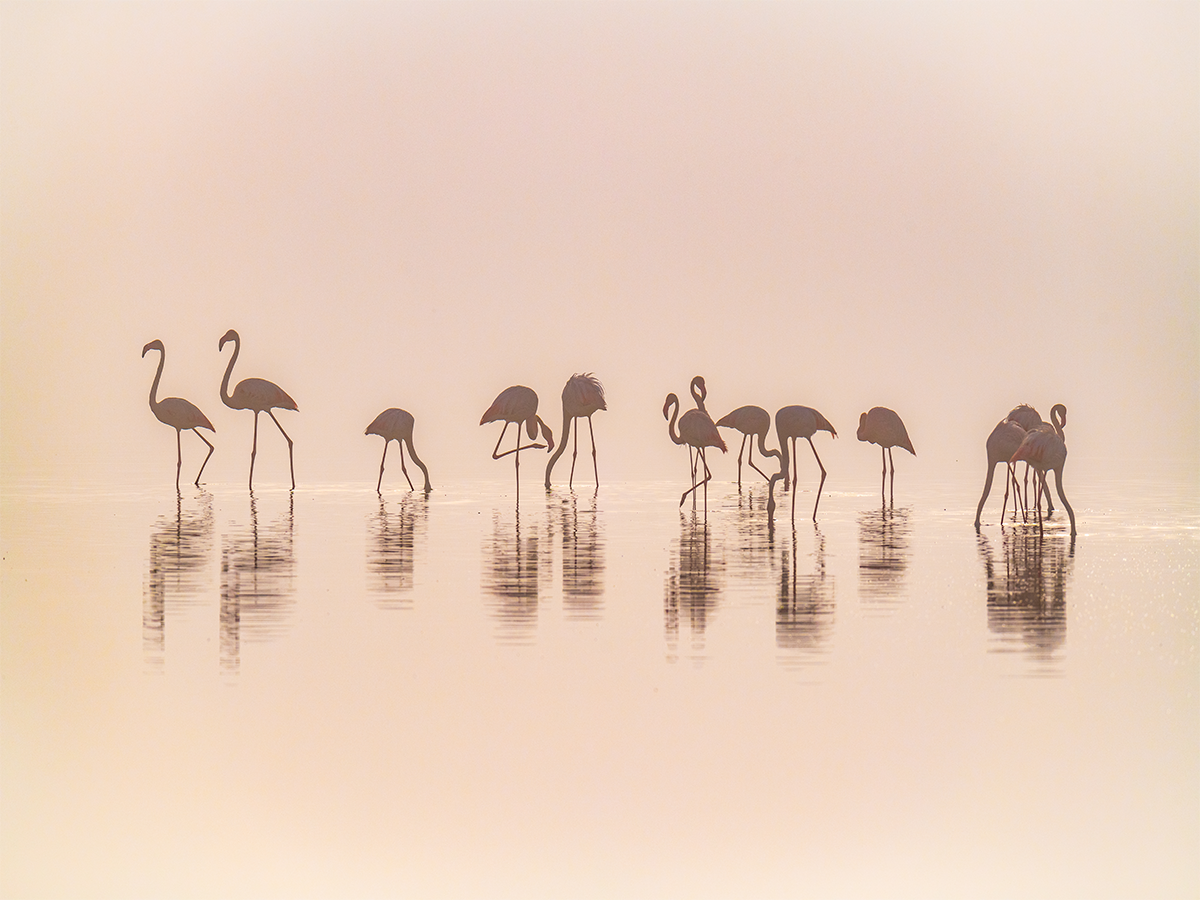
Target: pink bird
x,y
582,396
1002,443
1047,451
884,427
180,414
751,421
696,430
397,425
259,395
518,404
792,423
1030,420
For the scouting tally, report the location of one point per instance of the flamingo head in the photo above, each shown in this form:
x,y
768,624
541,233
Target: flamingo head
x,y
153,345
1060,412
230,335
698,388
671,399
862,427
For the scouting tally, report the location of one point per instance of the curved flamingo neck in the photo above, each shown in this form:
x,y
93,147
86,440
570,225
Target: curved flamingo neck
x,y
162,359
699,393
762,447
671,429
228,400
1058,418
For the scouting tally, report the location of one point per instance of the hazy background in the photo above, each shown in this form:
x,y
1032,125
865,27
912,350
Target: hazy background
x,y
943,208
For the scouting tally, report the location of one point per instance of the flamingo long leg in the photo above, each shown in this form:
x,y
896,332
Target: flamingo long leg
x,y
253,449
402,468
574,453
211,448
291,463
750,459
595,466
823,473
178,455
382,460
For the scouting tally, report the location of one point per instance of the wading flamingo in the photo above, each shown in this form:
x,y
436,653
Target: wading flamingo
x,y
582,396
259,395
518,404
1002,443
397,425
884,427
180,414
1047,451
1031,420
751,421
698,431
791,423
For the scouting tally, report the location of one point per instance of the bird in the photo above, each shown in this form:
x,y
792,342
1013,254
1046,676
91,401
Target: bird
x,y
397,425
256,394
791,423
699,392
1046,451
884,427
1029,419
1002,443
697,430
518,404
751,421
582,396
180,414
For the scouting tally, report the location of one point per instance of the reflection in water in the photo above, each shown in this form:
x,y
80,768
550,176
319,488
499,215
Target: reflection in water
x,y
583,559
391,539
694,583
1027,593
258,570
884,536
513,561
805,607
179,555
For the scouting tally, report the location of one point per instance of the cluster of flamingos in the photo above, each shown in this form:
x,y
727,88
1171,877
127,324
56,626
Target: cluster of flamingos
x,y
1021,436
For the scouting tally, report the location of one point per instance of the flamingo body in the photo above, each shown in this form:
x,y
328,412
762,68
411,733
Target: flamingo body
x,y
752,422
1046,451
1002,443
793,423
518,404
884,427
698,431
180,414
581,396
397,425
259,395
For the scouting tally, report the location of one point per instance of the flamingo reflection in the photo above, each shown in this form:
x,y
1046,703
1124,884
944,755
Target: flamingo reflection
x,y
582,559
515,559
805,606
391,541
884,536
180,551
695,578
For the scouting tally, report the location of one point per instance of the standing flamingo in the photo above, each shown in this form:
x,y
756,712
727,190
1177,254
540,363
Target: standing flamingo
x,y
1002,443
397,425
582,396
884,427
180,414
1031,420
697,430
1047,451
259,395
751,421
518,404
791,423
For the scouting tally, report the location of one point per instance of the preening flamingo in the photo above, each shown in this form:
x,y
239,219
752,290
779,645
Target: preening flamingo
x,y
884,427
180,414
582,396
791,423
397,425
699,393
751,421
1002,443
1047,451
518,404
259,395
696,430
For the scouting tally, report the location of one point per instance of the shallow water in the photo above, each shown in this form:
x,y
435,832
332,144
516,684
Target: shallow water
x,y
334,693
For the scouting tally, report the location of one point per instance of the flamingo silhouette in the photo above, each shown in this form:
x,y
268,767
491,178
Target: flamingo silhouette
x,y
518,404
1002,443
792,423
697,430
180,414
1030,420
582,396
259,395
751,421
884,427
1046,451
397,425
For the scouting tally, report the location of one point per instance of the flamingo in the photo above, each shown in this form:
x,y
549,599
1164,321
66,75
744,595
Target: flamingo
x,y
518,404
397,425
697,430
1047,451
180,414
259,395
1031,420
791,423
1002,443
884,427
582,396
751,421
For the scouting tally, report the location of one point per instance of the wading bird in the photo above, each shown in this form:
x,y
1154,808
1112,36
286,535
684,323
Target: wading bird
x,y
1046,451
751,421
1031,420
582,396
792,423
180,414
397,425
1002,443
698,431
884,427
518,404
259,395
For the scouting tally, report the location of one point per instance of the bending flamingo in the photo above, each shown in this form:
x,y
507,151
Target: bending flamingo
x,y
518,404
397,425
1002,443
1030,420
1046,451
884,427
582,396
696,430
792,423
180,414
751,421
259,395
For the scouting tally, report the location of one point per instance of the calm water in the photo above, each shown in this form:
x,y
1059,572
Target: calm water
x,y
336,694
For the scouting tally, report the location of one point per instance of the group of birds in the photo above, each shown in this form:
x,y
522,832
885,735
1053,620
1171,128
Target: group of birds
x,y
1021,436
